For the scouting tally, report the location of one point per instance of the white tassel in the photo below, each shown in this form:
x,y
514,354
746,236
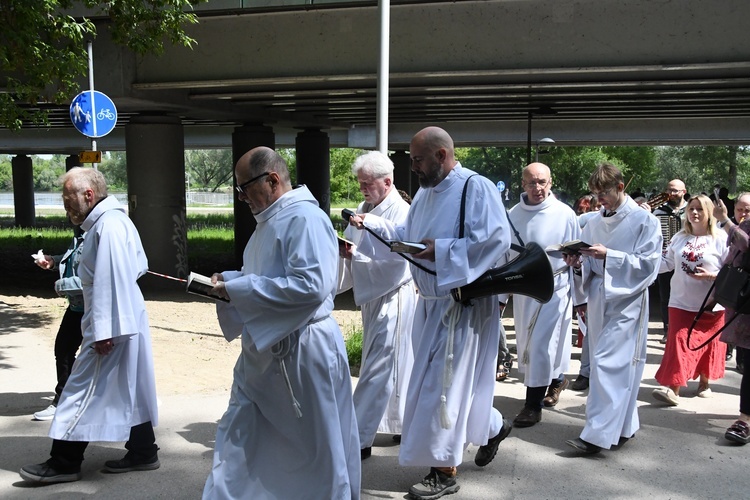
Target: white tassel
x,y
445,421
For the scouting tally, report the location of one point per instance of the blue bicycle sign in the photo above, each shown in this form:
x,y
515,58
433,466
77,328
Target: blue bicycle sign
x,y
93,114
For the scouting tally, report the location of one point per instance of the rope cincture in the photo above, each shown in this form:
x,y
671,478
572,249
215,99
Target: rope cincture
x,y
279,351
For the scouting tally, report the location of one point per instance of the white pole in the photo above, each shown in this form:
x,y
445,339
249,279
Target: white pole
x,y
384,8
90,47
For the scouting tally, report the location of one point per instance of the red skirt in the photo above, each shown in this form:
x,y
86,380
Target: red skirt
x,y
679,363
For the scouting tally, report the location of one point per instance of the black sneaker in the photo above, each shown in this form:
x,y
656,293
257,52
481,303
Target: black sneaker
x,y
45,473
434,485
486,453
581,383
127,464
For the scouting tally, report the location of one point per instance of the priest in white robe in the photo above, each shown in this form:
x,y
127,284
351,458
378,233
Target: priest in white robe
x,y
110,394
290,429
450,395
543,331
385,292
615,274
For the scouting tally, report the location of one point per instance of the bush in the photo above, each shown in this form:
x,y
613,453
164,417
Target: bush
x,y
353,341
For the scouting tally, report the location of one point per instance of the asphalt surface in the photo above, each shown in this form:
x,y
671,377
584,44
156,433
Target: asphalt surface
x,y
679,452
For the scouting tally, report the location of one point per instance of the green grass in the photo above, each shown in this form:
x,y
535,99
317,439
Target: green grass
x,y
353,341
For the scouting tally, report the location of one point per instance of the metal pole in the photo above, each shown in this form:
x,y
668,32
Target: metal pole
x,y
90,47
528,141
384,8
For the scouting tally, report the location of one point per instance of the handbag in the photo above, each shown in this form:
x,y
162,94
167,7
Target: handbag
x,y
731,289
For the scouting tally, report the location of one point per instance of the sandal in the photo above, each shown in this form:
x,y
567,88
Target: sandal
x,y
739,432
502,373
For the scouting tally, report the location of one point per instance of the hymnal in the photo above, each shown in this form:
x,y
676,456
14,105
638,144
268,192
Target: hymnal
x,y
345,242
406,246
569,247
201,285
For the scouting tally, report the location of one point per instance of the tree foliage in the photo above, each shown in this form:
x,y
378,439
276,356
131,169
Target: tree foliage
x,y
209,169
43,51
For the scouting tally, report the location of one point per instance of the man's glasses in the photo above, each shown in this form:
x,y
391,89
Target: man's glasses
x,y
602,194
241,188
674,191
540,184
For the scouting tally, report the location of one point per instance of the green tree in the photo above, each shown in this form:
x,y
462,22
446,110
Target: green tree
x,y
700,167
344,185
43,54
114,167
209,169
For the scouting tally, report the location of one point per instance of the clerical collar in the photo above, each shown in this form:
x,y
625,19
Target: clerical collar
x,y
610,214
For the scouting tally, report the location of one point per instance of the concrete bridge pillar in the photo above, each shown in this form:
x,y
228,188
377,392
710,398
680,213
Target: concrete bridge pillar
x,y
244,139
314,165
23,190
154,147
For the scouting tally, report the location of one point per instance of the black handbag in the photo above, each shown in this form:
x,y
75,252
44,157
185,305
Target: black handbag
x,y
731,289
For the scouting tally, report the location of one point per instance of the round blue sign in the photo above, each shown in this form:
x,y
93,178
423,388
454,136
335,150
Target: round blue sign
x,y
93,114
500,186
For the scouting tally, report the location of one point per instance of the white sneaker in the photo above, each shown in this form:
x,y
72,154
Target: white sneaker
x,y
704,392
46,414
666,395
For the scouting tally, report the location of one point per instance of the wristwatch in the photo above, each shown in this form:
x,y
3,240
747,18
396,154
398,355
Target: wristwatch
x,y
723,223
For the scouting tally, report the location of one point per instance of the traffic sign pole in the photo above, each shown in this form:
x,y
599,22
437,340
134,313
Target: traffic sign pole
x,y
90,49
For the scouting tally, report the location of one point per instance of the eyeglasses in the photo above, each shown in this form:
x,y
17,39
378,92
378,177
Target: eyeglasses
x,y
674,191
539,184
241,188
602,194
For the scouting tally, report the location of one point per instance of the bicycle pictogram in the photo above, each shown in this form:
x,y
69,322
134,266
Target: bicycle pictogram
x,y
105,114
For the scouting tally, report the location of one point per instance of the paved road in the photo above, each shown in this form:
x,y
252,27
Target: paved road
x,y
679,453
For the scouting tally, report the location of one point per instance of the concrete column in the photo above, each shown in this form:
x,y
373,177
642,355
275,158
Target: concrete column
x,y
403,177
72,161
154,147
314,165
244,139
23,191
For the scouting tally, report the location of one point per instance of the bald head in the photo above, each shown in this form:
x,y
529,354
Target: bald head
x,y
536,182
676,191
262,178
432,155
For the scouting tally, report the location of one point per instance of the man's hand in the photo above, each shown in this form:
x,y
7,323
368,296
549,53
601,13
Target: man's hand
x,y
429,252
220,289
597,251
103,347
581,312
46,262
573,260
345,250
357,220
720,211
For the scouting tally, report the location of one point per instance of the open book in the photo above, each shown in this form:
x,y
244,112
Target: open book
x,y
406,246
344,242
201,285
569,247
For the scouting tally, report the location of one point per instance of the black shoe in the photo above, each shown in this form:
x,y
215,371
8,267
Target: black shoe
x,y
365,453
663,340
45,473
434,485
580,384
486,453
396,438
527,417
584,447
128,464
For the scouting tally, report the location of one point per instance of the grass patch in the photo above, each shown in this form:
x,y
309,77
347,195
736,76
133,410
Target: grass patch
x,y
353,336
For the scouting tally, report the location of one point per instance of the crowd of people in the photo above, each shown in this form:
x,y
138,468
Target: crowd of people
x,y
429,362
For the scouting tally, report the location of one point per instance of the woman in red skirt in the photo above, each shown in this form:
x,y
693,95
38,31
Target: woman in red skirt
x,y
695,254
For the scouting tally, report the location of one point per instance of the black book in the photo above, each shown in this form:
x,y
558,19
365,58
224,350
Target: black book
x,y
569,247
201,285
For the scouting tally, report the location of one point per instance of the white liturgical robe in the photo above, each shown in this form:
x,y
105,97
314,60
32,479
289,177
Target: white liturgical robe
x,y
467,382
617,296
543,331
106,395
385,291
293,361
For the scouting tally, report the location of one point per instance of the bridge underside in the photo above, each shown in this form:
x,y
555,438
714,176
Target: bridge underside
x,y
582,72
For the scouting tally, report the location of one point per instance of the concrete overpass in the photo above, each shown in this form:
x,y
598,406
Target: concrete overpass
x,y
492,72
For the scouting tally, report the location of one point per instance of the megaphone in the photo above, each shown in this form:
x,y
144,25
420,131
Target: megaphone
x,y
529,273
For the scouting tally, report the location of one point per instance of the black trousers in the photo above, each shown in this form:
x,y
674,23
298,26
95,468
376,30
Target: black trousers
x,y
745,393
67,456
67,342
665,288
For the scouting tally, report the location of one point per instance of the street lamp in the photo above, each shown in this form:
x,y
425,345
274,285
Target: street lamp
x,y
542,110
546,141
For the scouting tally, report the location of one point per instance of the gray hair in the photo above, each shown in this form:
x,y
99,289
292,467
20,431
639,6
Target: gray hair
x,y
85,178
373,163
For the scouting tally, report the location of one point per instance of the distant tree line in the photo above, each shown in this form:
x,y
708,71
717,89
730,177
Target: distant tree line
x,y
646,169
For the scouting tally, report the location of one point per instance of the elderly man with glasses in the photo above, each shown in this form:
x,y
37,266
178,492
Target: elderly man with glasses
x,y
543,331
290,429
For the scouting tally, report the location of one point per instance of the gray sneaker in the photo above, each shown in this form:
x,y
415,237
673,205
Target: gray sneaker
x,y
434,485
46,414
